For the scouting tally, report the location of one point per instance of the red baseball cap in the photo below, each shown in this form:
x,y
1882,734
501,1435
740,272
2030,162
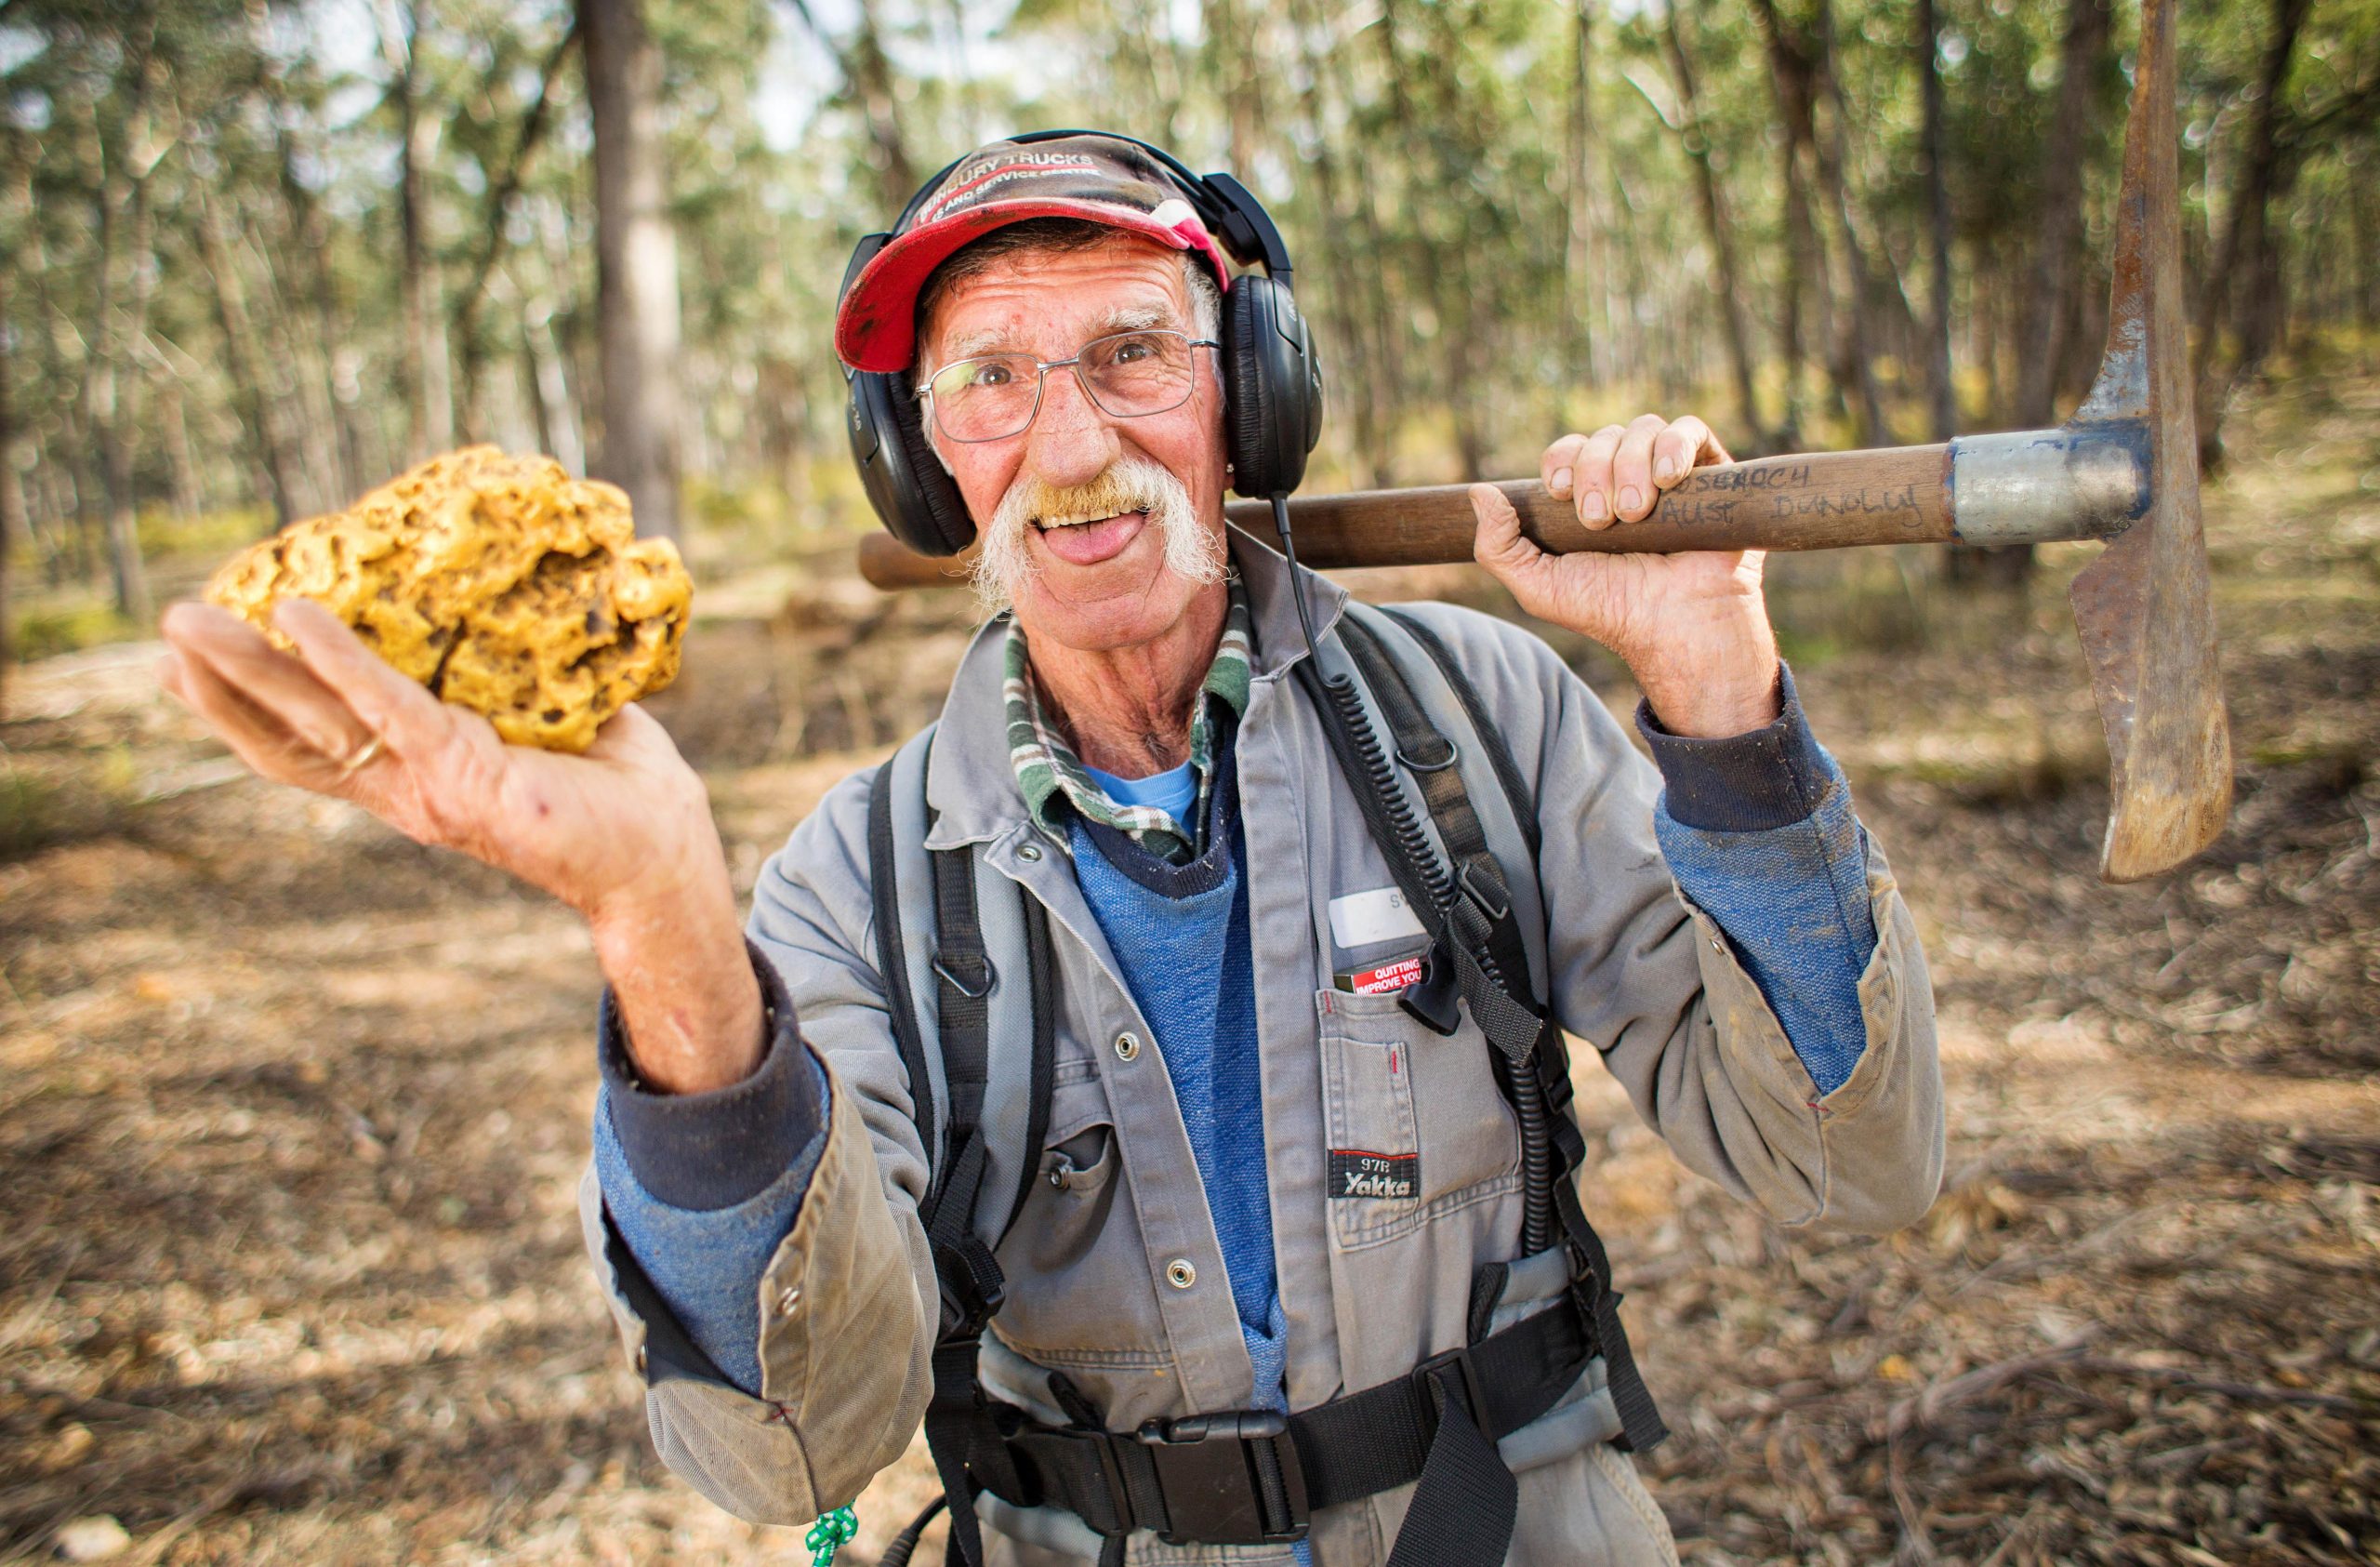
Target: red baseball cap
x,y
1099,179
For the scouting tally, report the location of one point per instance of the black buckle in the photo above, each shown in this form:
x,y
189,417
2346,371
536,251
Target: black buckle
x,y
1228,1479
1492,899
971,1285
1433,1387
973,992
1587,1291
1433,1001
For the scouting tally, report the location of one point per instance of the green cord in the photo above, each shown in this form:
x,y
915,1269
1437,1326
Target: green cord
x,y
829,1534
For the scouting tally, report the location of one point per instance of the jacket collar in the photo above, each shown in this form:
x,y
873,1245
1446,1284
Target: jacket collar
x,y
971,785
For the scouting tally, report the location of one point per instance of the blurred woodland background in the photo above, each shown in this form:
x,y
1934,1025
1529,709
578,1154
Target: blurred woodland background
x,y
255,257
291,1110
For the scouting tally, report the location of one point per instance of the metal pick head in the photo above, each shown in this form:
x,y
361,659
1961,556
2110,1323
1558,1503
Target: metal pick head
x,y
2145,608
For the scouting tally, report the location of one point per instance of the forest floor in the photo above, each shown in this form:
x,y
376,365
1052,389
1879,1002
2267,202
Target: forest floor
x,y
291,1113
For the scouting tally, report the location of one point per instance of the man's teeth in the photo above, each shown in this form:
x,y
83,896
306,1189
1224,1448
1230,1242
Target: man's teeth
x,y
1074,519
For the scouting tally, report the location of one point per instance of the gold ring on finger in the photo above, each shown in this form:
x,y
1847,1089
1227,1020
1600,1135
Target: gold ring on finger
x,y
363,754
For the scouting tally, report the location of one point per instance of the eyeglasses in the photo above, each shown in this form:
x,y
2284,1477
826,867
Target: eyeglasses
x,y
1128,375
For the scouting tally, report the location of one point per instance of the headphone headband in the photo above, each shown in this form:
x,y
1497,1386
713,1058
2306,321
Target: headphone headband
x,y
1272,384
1225,206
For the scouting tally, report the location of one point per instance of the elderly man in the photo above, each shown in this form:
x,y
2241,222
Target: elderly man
x,y
1185,1269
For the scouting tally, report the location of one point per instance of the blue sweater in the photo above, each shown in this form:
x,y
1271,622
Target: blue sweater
x,y
1176,931
1758,829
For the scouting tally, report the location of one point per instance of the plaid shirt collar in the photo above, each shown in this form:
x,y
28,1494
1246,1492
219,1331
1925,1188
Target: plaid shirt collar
x,y
1053,778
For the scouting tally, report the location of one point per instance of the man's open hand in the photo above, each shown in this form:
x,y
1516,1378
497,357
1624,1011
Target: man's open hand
x,y
623,834
1693,628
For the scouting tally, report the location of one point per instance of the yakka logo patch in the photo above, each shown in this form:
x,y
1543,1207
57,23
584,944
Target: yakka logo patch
x,y
1355,1173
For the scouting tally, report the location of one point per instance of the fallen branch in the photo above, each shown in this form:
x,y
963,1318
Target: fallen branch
x,y
2245,1392
1927,1407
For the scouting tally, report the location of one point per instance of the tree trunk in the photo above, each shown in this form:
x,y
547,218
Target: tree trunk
x,y
1375,338
1347,366
120,422
258,409
636,259
783,432
870,70
868,76
313,365
33,260
1790,77
2056,270
123,237
1856,350
1582,344
1717,229
83,440
55,504
1237,77
466,334
1944,391
2245,234
2363,243
428,387
14,522
550,389
173,429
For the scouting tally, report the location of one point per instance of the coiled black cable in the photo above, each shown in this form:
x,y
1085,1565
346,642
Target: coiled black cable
x,y
1518,1079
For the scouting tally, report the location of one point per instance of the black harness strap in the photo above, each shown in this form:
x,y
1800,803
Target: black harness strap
x,y
1040,965
964,980
965,1429
1464,1464
1481,913
1430,757
1430,893
1257,1476
1642,1428
1517,794
884,893
959,1415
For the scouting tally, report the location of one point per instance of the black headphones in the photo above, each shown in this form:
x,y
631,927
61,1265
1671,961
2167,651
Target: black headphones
x,y
1271,379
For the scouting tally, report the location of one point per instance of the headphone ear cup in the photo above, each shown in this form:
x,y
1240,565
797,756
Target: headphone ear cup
x,y
1274,385
1248,410
905,481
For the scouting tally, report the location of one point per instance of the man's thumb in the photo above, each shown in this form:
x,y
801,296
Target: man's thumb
x,y
1511,557
1498,545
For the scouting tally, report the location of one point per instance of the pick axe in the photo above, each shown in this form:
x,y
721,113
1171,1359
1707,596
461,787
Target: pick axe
x,y
2124,468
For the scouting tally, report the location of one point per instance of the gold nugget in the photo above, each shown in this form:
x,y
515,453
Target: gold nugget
x,y
501,583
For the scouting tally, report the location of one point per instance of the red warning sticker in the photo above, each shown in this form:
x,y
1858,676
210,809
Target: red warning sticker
x,y
1384,979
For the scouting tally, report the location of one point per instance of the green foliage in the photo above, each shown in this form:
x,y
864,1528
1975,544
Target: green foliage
x,y
207,534
49,629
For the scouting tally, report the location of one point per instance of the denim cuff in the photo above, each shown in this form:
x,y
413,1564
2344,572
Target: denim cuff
x,y
717,1149
1754,782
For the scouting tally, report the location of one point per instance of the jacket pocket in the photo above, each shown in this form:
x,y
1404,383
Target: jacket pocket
x,y
1079,1293
1083,1163
1416,1122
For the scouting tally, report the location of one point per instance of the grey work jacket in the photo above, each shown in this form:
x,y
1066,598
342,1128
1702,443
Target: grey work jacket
x,y
1370,1286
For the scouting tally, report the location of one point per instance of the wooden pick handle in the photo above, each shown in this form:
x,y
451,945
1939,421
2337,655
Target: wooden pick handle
x,y
1822,502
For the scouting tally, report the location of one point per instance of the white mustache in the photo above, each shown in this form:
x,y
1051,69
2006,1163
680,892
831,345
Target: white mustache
x,y
1130,483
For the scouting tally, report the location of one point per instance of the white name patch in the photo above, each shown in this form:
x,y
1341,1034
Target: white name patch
x,y
1363,919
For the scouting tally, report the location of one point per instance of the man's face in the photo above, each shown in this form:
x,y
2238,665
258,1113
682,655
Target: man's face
x,y
1107,584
